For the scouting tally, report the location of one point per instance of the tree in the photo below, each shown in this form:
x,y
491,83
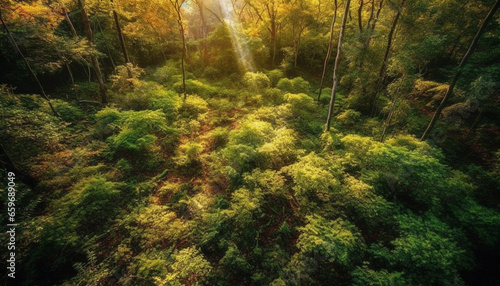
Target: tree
x,y
120,34
469,52
177,5
93,58
337,60
28,66
329,51
383,67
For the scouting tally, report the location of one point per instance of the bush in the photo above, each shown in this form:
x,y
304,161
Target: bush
x,y
300,103
282,150
96,203
256,81
274,76
126,77
217,138
349,118
68,111
193,107
296,85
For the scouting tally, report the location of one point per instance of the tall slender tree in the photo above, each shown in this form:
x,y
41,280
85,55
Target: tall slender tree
x,y
28,66
383,67
177,5
120,34
329,51
469,52
335,68
93,58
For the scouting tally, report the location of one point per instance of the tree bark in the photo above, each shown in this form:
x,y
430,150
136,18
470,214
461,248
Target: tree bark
x,y
383,68
469,52
70,24
95,63
16,48
120,34
360,20
177,5
335,68
329,52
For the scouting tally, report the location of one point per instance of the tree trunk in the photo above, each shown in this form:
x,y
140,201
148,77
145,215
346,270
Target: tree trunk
x,y
70,24
337,60
449,91
360,20
120,34
383,68
329,51
204,30
177,5
95,63
16,48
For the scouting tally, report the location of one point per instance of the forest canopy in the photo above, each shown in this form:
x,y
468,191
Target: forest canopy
x,y
250,142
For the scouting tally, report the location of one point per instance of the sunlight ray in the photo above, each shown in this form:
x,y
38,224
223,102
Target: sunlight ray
x,y
245,59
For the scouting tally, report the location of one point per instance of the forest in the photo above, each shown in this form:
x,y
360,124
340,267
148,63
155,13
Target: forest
x,y
250,142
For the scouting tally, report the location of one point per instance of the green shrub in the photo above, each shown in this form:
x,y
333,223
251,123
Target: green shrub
x,y
193,107
126,77
96,203
349,118
333,241
195,87
217,138
300,104
251,133
274,76
68,111
256,81
189,154
314,180
211,73
296,85
281,150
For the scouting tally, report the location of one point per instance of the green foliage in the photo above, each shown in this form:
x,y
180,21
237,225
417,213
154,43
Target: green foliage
x,y
274,76
95,203
126,77
348,118
428,247
235,262
189,268
256,81
336,241
193,107
296,85
314,180
68,112
363,276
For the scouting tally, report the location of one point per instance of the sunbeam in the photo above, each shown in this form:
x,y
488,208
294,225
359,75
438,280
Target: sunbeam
x,y
245,59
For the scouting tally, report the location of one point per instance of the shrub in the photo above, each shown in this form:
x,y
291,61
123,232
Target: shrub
x,y
300,103
68,111
193,107
281,150
348,118
333,241
189,154
256,81
195,87
96,203
126,77
313,180
251,133
296,85
217,138
274,77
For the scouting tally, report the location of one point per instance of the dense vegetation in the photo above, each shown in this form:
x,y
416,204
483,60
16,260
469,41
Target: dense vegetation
x,y
172,142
